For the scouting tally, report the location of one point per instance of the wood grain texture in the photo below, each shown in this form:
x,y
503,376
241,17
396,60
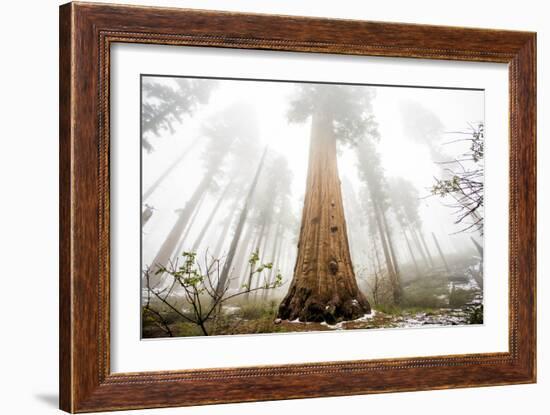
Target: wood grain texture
x,y
86,33
65,246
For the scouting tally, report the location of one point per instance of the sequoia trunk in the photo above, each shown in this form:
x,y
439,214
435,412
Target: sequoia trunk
x,y
324,287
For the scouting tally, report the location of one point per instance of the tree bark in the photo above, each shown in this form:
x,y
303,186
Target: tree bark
x,y
324,287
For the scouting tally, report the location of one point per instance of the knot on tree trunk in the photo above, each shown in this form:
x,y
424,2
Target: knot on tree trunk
x,y
333,267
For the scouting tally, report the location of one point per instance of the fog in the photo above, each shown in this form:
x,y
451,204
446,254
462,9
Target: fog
x,y
415,135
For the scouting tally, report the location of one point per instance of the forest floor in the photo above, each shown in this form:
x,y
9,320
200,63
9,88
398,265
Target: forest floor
x,y
430,302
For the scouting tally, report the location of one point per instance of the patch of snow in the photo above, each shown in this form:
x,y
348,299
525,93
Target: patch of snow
x,y
231,309
340,325
367,317
337,326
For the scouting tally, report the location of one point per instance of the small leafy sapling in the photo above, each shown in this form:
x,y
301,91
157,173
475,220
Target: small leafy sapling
x,y
200,290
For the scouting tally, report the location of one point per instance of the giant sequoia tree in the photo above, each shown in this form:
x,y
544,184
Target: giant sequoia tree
x,y
324,287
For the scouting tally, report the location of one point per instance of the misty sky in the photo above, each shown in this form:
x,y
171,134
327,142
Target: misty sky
x,y
401,154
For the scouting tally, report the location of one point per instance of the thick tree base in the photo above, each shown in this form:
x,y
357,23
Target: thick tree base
x,y
301,304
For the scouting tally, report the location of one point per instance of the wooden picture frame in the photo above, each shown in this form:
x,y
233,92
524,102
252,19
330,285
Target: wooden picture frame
x,y
86,33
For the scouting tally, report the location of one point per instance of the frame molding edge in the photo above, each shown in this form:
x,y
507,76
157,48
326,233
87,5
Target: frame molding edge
x,y
86,32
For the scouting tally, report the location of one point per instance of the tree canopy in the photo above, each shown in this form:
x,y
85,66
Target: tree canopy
x,y
166,103
349,108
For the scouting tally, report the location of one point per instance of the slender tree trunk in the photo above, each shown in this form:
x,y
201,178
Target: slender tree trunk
x,y
384,243
275,250
169,170
389,253
389,237
425,245
242,219
169,245
440,252
245,249
255,248
324,287
478,246
264,259
260,238
181,244
210,218
416,241
286,265
375,289
278,256
275,257
354,226
410,251
378,265
225,228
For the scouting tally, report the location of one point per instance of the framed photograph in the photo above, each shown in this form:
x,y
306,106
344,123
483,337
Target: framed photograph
x,y
259,207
